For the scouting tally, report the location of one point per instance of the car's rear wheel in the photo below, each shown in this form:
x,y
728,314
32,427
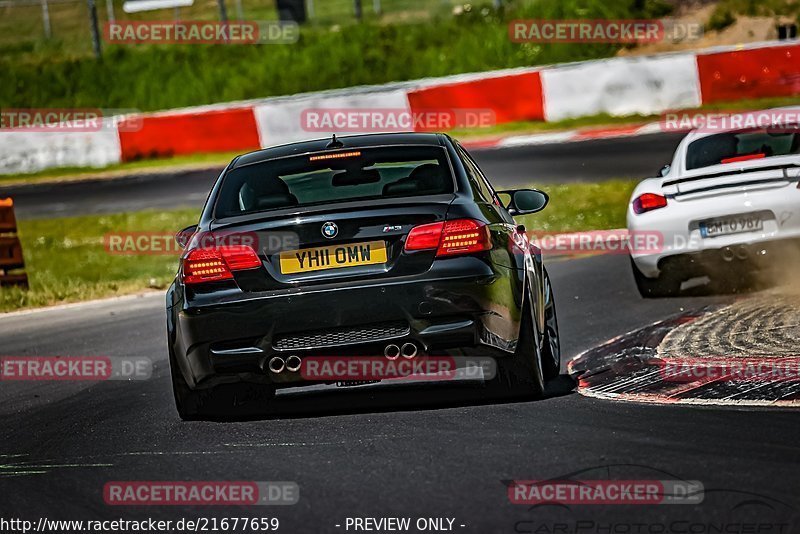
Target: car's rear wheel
x,y
551,343
521,375
225,401
666,285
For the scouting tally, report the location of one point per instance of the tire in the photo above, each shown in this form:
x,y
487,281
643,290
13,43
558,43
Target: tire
x,y
521,375
225,401
665,285
551,342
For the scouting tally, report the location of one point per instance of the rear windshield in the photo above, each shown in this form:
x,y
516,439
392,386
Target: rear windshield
x,y
335,176
732,147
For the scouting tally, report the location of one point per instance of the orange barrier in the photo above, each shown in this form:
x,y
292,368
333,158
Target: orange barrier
x,y
167,135
512,97
749,73
10,247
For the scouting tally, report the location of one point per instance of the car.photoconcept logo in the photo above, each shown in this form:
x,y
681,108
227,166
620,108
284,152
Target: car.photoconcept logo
x,y
330,230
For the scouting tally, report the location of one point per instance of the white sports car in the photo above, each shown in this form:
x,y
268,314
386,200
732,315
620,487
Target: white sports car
x,y
726,207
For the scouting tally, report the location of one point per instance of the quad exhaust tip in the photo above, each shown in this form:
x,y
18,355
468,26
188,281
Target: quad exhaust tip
x,y
293,363
742,253
728,254
277,365
392,352
408,351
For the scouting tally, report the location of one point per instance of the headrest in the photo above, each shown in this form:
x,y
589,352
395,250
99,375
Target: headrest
x,y
427,178
267,193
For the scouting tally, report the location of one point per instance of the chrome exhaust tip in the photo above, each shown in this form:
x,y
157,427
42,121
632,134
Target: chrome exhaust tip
x,y
392,352
408,351
728,254
277,365
293,363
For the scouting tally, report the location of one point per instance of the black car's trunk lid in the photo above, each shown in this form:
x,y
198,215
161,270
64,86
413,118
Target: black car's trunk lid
x,y
348,240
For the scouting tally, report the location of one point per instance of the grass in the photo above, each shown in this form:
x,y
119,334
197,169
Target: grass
x,y
152,77
582,206
66,259
726,11
22,28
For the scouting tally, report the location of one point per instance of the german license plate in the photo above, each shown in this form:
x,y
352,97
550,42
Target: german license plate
x,y
333,257
735,224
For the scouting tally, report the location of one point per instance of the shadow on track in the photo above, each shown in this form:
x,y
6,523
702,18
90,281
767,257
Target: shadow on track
x,y
329,401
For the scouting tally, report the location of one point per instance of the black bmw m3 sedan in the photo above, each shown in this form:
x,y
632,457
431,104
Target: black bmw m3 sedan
x,y
391,247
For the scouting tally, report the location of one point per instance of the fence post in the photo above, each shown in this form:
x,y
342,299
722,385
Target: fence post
x,y
310,9
223,12
46,20
110,10
94,29
376,6
358,10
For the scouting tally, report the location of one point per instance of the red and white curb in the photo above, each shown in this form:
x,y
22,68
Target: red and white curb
x,y
628,368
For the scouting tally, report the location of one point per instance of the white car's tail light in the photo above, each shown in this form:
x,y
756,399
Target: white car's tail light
x,y
649,202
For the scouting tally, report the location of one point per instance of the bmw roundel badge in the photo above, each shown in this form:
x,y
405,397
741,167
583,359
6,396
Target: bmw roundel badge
x,y
330,230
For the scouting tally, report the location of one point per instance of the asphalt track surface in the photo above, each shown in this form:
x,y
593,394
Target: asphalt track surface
x,y
433,451
632,157
443,450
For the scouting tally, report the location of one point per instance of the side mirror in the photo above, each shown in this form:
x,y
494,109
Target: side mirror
x,y
664,170
182,238
525,201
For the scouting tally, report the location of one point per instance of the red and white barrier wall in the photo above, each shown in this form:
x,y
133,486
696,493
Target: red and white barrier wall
x,y
618,86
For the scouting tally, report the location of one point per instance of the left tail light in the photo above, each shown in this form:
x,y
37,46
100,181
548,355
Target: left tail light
x,y
450,238
649,202
202,265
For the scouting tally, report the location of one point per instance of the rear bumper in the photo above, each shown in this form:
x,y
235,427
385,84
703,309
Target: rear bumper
x,y
677,228
739,259
465,306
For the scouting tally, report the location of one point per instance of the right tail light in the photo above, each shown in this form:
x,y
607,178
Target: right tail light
x,y
450,238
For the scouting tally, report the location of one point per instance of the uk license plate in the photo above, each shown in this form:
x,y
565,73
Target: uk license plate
x,y
735,224
333,257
